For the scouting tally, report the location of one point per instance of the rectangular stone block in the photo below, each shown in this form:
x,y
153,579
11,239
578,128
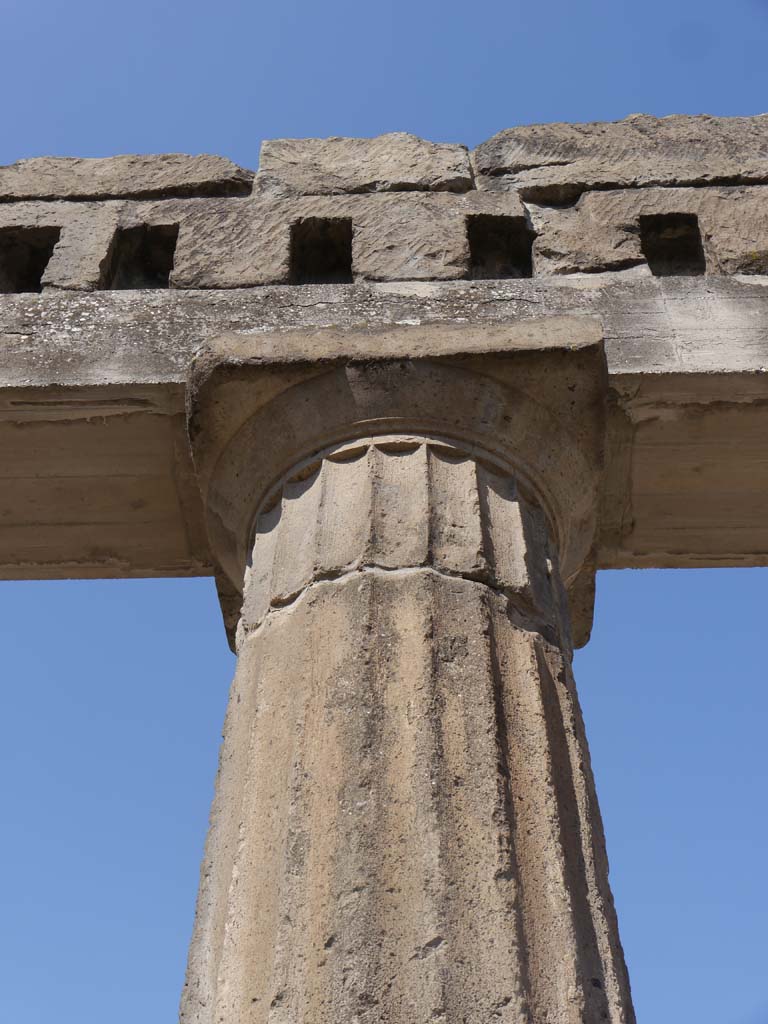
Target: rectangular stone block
x,y
397,162
118,177
557,162
86,231
602,231
245,243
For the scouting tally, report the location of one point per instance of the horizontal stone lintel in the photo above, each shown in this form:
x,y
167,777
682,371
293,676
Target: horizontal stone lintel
x,y
544,162
95,476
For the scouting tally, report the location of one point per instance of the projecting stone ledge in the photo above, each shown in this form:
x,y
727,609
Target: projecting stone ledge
x,y
552,163
557,162
123,177
389,163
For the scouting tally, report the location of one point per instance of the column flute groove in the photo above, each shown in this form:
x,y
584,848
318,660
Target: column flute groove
x,y
405,831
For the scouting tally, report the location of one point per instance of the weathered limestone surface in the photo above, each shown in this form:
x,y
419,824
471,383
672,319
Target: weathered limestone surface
x,y
601,231
411,479
166,174
81,255
98,484
405,826
713,326
550,162
396,237
397,162
229,238
258,395
557,162
239,243
686,479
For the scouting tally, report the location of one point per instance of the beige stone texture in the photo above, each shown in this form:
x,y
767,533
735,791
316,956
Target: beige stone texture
x,y
117,177
601,232
82,252
397,162
241,243
405,827
497,389
419,838
92,403
403,486
244,242
237,243
98,484
557,162
397,502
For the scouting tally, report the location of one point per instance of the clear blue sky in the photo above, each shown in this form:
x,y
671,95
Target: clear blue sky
x,y
113,693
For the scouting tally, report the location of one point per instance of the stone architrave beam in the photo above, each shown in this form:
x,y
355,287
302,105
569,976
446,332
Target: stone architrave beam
x,y
405,827
432,391
95,476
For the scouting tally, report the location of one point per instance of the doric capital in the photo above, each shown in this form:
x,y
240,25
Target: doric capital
x,y
527,398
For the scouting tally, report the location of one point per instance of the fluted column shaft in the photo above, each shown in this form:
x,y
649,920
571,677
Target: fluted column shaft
x,y
406,828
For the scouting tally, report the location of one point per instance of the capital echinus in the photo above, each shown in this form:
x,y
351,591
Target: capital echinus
x,y
405,827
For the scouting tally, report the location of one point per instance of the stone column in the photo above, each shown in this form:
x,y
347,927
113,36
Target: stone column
x,y
405,828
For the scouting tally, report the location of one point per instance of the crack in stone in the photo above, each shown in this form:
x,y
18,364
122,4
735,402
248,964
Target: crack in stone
x,y
525,615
